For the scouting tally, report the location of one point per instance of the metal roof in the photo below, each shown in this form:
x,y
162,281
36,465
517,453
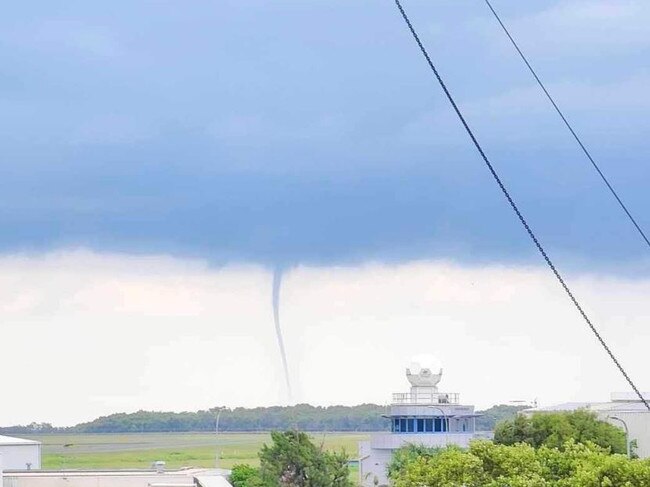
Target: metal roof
x,y
566,406
212,481
9,440
616,406
629,397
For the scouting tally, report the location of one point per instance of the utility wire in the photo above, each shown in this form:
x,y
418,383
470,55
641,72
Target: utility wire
x,y
568,125
514,207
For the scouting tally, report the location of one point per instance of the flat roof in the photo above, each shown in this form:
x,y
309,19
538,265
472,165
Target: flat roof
x,y
186,472
212,481
629,396
566,406
614,406
10,440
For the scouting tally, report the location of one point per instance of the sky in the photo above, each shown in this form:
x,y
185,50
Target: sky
x,y
160,160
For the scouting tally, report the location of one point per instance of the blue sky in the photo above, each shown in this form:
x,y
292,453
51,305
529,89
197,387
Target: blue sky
x,y
312,132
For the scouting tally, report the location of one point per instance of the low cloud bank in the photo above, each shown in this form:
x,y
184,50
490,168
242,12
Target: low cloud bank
x,y
86,334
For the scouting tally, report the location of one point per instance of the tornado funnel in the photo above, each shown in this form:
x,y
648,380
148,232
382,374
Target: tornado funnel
x,y
277,284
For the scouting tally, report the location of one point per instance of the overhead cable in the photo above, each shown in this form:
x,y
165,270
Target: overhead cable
x,y
515,208
569,126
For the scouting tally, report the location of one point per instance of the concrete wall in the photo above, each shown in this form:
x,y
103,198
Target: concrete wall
x,y
20,456
638,423
372,467
393,441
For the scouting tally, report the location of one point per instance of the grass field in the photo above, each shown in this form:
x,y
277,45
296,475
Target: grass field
x,y
176,449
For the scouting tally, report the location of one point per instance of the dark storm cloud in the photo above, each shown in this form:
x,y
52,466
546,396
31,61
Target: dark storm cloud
x,y
287,132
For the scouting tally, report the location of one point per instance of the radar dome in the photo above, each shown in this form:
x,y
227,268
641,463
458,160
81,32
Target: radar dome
x,y
424,361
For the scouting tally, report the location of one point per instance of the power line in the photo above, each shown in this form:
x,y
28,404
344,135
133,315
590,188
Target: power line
x,y
568,125
514,207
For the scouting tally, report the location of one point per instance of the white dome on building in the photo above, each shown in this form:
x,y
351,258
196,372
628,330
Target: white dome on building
x,y
424,361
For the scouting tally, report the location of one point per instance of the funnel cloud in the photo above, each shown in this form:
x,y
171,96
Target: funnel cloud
x,y
277,283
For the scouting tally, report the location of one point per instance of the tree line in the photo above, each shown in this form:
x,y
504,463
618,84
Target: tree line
x,y
304,417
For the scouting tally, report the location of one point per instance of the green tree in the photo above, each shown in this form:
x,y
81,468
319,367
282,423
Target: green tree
x,y
556,429
294,461
508,466
245,476
490,417
448,467
486,464
587,465
364,417
407,454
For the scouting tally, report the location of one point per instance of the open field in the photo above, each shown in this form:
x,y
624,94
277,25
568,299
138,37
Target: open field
x,y
140,450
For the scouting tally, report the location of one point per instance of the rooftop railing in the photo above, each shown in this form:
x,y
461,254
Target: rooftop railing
x,y
425,398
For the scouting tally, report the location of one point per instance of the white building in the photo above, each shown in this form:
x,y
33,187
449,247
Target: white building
x,y
422,416
188,477
624,410
19,454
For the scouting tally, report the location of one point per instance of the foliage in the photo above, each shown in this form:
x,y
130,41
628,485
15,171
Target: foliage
x,y
555,429
244,476
32,428
486,464
294,461
450,467
407,454
494,415
634,445
365,417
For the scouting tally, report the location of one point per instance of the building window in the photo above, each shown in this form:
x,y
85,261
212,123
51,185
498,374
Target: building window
x,y
410,425
425,425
